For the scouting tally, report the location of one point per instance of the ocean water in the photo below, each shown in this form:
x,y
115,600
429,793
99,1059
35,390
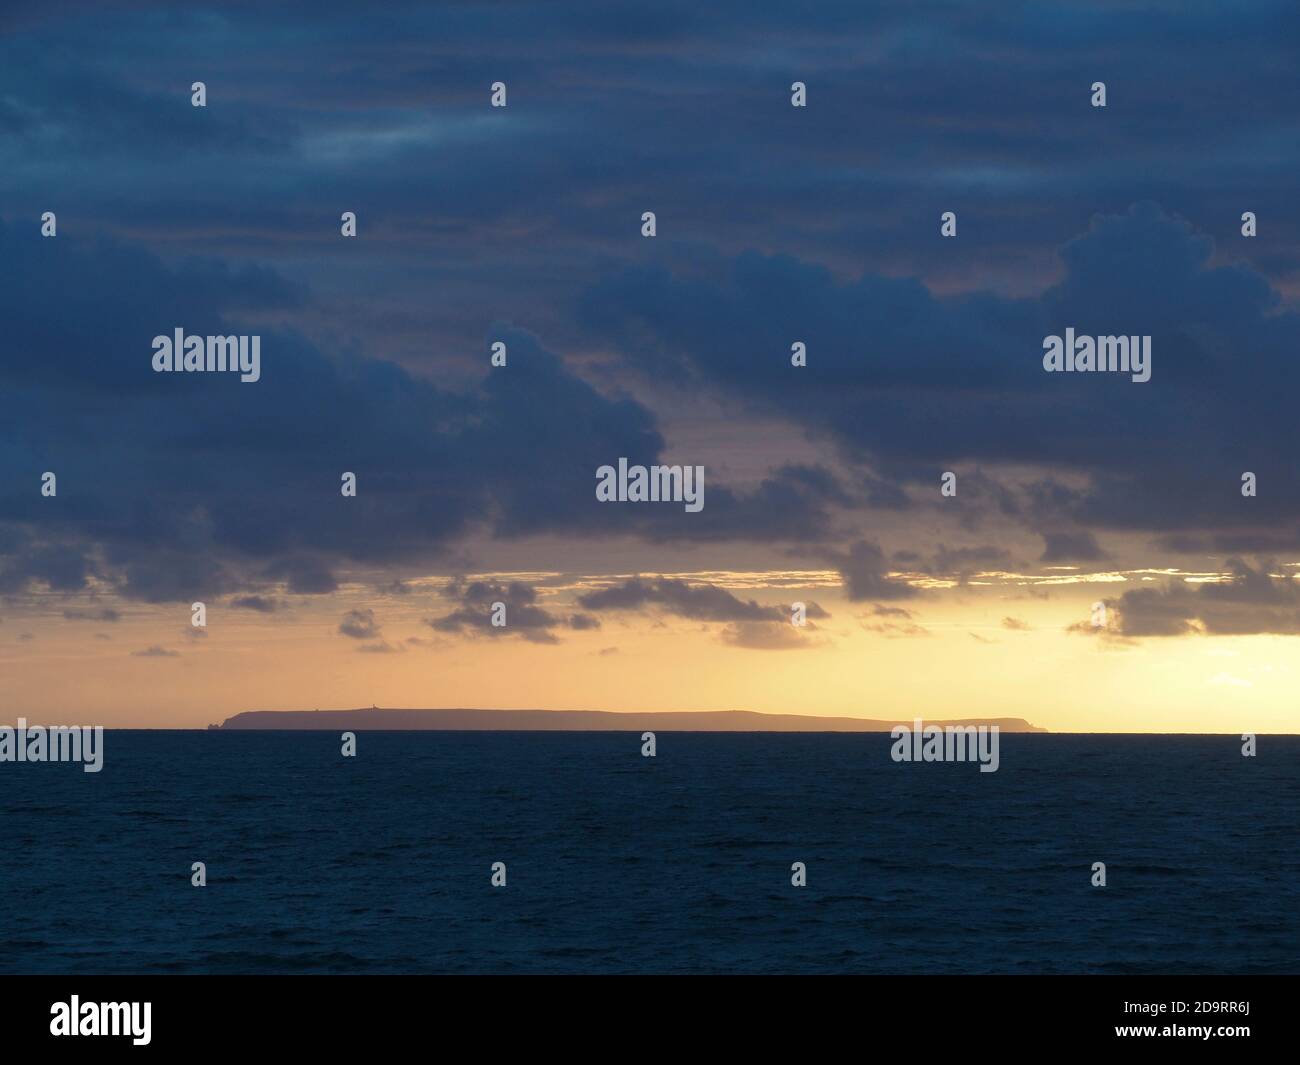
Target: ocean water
x,y
675,864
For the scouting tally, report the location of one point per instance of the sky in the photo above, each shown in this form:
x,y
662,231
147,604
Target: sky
x,y
1097,568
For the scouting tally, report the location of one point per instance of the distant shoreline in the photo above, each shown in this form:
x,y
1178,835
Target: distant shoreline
x,y
468,720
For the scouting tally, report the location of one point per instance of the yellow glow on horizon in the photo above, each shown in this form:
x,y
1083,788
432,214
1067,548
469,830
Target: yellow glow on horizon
x,y
952,656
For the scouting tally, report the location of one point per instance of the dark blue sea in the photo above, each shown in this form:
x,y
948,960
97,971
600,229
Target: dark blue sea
x,y
617,863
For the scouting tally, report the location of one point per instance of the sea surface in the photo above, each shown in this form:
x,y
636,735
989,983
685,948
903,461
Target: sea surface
x,y
681,863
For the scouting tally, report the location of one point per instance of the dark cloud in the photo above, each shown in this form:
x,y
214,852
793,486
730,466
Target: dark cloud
x,y
377,113
258,603
891,612
1078,546
177,517
764,636
224,220
523,617
963,561
304,576
168,513
865,573
103,614
1232,543
1249,601
1247,585
359,624
167,575
751,624
912,381
60,567
701,602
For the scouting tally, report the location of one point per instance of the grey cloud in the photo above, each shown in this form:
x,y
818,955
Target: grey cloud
x,y
359,624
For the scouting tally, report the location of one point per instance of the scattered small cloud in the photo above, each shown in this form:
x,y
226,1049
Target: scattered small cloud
x,y
894,629
882,611
107,614
258,603
478,599
359,624
765,636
